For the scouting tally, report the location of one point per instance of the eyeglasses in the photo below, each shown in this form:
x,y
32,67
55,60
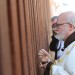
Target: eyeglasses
x,y
58,25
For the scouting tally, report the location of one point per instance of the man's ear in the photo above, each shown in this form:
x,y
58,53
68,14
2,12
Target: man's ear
x,y
71,27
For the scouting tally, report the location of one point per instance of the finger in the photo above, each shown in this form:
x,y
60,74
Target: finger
x,y
42,50
40,53
43,65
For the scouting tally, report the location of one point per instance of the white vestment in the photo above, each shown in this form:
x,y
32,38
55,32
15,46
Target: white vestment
x,y
65,65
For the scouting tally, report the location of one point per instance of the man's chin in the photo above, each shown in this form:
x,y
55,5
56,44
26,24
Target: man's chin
x,y
59,38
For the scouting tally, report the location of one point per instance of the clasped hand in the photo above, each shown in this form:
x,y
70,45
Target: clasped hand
x,y
44,58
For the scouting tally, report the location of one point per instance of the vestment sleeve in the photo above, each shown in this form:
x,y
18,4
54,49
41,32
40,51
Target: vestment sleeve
x,y
70,62
58,70
69,65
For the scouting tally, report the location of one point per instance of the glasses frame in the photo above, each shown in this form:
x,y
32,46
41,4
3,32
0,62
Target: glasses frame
x,y
58,25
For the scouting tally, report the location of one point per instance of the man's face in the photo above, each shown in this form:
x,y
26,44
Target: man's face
x,y
61,29
61,32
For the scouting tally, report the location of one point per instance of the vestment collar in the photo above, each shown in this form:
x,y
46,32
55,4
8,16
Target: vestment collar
x,y
69,40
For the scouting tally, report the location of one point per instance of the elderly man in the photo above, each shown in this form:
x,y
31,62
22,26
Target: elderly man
x,y
65,28
55,46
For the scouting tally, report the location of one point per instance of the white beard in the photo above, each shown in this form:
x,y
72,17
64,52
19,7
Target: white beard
x,y
63,34
60,36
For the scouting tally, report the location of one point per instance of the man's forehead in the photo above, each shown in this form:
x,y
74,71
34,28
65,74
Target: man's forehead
x,y
61,19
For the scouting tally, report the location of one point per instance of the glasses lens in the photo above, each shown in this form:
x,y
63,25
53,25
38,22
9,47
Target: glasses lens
x,y
54,25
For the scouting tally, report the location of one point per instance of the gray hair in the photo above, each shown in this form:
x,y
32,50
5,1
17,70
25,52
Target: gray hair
x,y
70,17
53,18
71,20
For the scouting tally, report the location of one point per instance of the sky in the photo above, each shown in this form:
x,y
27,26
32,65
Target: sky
x,y
64,5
